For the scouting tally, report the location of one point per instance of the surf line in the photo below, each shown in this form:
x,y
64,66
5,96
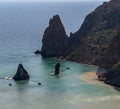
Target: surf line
x,y
6,78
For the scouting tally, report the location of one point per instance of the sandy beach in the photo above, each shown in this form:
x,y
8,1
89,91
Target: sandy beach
x,y
91,78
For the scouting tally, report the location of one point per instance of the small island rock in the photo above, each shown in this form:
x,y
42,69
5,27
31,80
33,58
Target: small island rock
x,y
21,74
37,52
57,69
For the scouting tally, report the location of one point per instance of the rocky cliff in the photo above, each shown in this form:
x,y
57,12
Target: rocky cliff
x,y
96,42
54,40
99,33
100,37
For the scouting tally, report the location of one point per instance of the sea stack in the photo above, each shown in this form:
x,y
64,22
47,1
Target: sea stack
x,y
21,73
57,69
54,40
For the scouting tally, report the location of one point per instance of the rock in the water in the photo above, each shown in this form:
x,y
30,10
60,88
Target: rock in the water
x,y
37,52
67,68
57,69
54,40
10,84
21,73
39,83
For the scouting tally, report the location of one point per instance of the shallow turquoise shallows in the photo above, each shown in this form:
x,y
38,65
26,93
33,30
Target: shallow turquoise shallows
x,y
21,29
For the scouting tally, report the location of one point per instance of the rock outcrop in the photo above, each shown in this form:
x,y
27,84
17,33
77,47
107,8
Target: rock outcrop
x,y
21,74
113,75
101,73
37,52
57,68
54,42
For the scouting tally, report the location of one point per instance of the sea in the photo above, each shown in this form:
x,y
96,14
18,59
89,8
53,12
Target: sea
x,y
22,26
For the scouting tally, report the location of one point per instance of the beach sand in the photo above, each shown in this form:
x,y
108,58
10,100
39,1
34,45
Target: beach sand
x,y
91,78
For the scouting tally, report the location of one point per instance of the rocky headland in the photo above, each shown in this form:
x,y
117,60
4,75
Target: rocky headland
x,y
97,41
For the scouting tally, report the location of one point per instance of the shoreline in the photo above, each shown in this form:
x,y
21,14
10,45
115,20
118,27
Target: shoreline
x,y
64,59
91,78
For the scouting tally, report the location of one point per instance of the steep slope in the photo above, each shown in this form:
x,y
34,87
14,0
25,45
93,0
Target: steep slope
x,y
97,49
100,40
97,34
106,16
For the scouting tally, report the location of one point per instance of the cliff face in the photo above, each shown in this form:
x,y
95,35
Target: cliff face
x,y
97,49
105,17
54,40
99,34
100,37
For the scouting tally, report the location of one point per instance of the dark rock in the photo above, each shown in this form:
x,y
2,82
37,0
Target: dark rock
x,y
54,40
21,74
101,73
10,84
37,52
57,68
113,75
39,84
67,68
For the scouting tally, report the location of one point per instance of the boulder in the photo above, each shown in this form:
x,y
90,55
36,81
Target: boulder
x,y
101,73
21,74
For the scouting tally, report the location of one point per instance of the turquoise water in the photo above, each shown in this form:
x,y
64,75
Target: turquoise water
x,y
21,29
65,91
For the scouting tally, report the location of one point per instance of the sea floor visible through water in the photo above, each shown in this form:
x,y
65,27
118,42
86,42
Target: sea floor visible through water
x,y
74,88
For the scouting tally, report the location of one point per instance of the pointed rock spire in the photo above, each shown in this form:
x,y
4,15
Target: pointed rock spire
x,y
54,40
21,73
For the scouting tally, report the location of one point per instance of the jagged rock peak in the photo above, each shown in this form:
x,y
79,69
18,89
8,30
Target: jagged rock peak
x,y
56,22
21,73
54,40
